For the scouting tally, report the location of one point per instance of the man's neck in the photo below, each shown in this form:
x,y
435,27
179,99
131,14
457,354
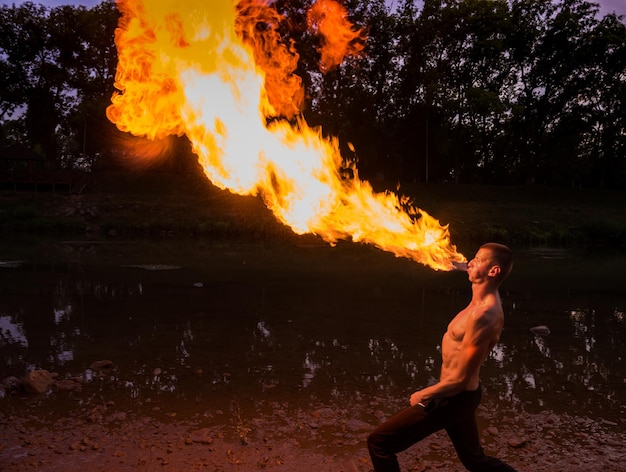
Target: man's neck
x,y
481,291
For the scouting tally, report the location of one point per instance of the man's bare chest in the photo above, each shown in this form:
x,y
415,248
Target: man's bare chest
x,y
458,326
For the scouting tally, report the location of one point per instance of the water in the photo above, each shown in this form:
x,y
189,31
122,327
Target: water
x,y
192,324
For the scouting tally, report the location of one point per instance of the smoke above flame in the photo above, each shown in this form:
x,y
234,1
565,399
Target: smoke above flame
x,y
221,74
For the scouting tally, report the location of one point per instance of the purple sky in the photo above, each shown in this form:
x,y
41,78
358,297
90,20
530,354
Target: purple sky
x,y
606,6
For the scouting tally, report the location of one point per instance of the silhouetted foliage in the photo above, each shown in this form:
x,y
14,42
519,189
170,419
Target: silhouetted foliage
x,y
57,76
468,91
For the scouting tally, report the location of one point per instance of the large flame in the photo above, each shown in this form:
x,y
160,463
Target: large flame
x,y
223,76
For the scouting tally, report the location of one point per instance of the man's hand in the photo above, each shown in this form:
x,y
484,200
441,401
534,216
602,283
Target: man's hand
x,y
416,398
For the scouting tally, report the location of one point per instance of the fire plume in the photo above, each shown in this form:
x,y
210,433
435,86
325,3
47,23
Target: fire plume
x,y
223,76
330,20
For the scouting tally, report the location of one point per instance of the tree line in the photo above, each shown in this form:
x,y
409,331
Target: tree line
x,y
466,91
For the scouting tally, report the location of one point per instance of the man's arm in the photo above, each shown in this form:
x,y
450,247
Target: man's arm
x,y
478,339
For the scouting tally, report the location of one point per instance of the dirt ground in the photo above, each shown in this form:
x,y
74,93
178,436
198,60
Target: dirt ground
x,y
103,437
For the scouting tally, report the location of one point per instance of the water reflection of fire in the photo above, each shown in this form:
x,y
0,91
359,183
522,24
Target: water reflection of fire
x,y
223,76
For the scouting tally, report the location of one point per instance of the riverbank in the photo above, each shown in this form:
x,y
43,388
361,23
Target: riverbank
x,y
99,435
181,206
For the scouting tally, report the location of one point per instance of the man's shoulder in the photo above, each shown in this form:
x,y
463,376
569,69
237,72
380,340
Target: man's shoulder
x,y
487,314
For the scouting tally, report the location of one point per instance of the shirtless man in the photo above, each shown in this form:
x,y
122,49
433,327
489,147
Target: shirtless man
x,y
451,403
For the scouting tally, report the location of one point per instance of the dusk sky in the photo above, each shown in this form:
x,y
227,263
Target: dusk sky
x,y
606,6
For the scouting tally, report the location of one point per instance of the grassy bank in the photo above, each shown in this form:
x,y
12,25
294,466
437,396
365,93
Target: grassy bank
x,y
159,205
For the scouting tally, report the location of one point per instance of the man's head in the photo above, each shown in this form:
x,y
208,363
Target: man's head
x,y
501,260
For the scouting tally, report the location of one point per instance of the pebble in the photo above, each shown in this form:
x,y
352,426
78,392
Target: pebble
x,y
541,330
100,365
38,382
492,431
517,442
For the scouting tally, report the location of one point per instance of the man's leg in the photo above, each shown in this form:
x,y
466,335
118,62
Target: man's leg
x,y
464,436
398,433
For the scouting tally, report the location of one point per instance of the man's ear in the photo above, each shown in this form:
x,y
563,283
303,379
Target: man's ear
x,y
494,271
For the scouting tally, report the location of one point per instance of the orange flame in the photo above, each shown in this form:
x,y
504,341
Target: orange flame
x,y
339,40
222,76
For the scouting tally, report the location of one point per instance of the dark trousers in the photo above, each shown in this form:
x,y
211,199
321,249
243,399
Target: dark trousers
x,y
457,415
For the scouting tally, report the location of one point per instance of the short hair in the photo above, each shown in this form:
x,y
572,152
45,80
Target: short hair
x,y
503,257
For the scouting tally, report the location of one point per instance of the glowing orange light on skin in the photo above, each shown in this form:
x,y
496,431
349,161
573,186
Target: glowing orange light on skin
x,y
208,72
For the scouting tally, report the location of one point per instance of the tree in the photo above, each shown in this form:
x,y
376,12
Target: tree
x,y
548,47
452,80
601,153
32,84
84,39
58,67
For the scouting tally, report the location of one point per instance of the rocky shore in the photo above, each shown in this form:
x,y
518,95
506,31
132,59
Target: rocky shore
x,y
99,435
